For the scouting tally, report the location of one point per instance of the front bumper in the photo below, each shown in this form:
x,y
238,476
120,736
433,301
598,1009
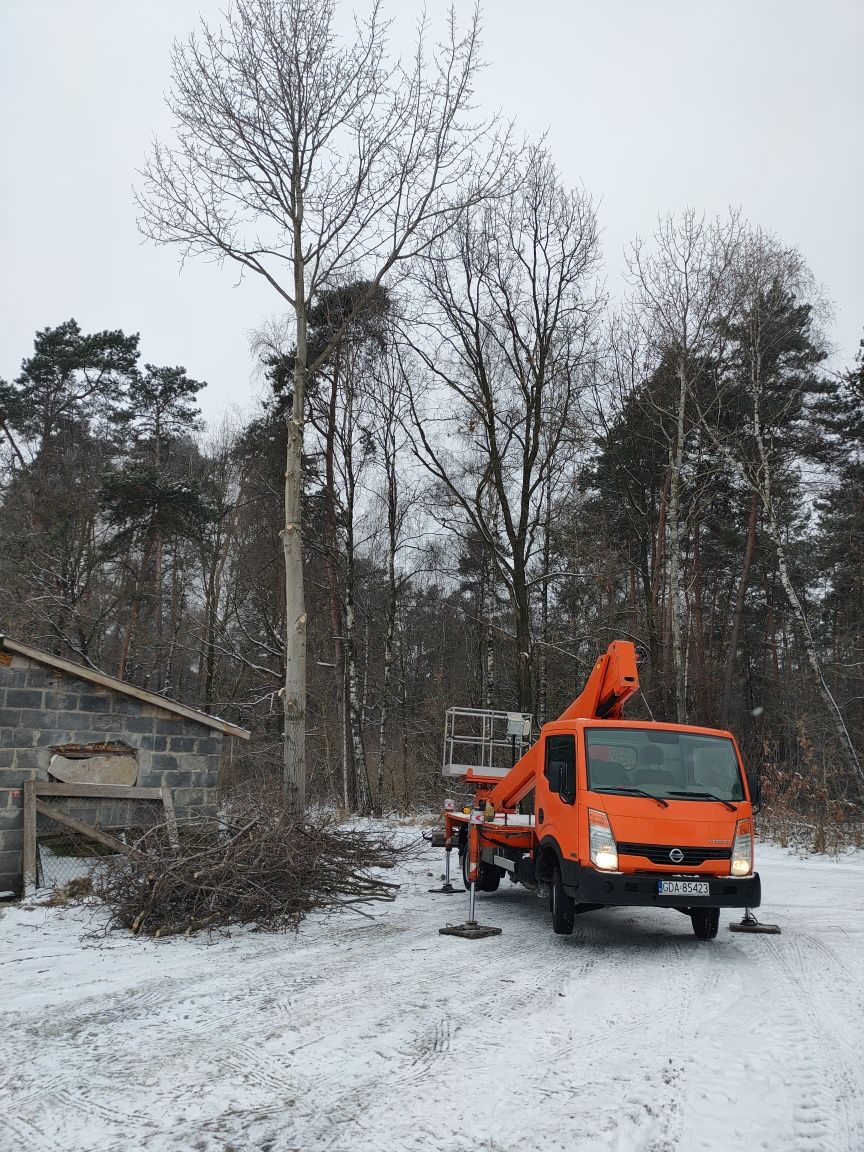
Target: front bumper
x,y
588,886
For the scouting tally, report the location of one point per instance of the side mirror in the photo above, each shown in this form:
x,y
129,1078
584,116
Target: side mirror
x,y
755,790
553,775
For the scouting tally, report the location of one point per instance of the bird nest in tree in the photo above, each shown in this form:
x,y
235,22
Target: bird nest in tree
x,y
262,868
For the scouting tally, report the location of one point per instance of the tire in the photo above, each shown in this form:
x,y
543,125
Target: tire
x,y
563,906
705,922
488,876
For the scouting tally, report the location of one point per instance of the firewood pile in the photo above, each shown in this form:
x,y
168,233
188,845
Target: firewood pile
x,y
260,868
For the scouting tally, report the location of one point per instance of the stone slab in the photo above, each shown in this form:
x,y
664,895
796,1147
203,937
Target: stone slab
x,y
94,770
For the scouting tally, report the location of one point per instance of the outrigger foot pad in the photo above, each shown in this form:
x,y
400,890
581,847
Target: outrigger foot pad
x,y
470,930
447,889
751,924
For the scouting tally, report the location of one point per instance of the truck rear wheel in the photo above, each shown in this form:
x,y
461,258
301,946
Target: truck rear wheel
x,y
488,876
563,906
705,922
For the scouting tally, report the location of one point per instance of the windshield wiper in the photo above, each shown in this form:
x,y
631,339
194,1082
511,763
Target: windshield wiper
x,y
634,792
705,796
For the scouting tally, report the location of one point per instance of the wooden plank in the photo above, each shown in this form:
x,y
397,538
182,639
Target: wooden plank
x,y
87,830
96,677
98,791
28,851
170,818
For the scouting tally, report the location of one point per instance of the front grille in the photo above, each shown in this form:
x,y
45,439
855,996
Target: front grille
x,y
659,853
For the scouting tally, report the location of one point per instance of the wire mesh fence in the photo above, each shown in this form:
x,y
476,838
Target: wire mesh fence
x,y
65,854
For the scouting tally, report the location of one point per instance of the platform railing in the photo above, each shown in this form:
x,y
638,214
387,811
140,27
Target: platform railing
x,y
484,741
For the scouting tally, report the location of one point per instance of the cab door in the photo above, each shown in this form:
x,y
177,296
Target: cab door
x,y
556,800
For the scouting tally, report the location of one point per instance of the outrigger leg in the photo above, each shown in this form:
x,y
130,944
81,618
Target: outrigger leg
x,y
447,889
471,930
751,924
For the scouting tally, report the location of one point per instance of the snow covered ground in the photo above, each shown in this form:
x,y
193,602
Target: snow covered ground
x,y
381,1036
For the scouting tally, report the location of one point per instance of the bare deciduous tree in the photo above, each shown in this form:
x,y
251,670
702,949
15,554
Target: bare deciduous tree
x,y
311,163
511,315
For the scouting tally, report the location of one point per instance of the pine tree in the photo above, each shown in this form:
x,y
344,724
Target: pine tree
x,y
841,517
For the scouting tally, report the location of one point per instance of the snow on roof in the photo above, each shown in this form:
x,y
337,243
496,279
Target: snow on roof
x,y
115,685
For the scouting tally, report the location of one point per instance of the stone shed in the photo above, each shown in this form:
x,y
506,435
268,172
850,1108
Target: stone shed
x,y
60,720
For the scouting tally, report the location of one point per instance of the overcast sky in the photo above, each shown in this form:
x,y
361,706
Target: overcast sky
x,y
652,105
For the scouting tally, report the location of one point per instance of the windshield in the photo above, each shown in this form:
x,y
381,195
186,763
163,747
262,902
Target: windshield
x,y
663,763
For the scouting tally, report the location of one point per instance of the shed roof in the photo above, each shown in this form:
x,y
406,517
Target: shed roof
x,y
115,685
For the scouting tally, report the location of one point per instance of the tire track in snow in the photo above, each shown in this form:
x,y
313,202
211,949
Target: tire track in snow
x,y
28,1134
430,1045
647,1113
90,1101
836,1096
787,1043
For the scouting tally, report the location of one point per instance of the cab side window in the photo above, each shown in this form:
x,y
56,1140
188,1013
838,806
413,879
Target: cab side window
x,y
560,768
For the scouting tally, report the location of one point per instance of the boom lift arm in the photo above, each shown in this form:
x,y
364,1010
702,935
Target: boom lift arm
x,y
613,680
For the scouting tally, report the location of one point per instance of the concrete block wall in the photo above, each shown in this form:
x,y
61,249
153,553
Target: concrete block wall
x,y
42,709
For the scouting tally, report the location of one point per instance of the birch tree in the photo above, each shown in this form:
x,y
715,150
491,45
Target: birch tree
x,y
310,162
681,288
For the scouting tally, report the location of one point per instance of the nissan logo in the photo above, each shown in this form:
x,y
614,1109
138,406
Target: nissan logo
x,y
676,855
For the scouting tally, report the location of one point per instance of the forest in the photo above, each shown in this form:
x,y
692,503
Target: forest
x,y
504,465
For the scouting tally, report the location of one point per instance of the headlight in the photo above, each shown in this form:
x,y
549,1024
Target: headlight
x,y
604,851
742,849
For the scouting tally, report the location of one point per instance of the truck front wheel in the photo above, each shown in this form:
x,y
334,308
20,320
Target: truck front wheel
x,y
562,905
705,922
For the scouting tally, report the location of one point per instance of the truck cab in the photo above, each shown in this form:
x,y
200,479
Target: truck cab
x,y
652,814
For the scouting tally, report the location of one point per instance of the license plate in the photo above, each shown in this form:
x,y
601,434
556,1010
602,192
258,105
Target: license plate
x,y
683,888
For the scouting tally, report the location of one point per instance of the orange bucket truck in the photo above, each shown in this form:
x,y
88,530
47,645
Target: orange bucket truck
x,y
632,813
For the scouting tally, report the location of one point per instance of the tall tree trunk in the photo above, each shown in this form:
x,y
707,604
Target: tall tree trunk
x,y
134,612
354,707
632,598
543,679
168,678
210,639
294,694
699,620
403,706
390,627
157,590
525,701
349,792
738,613
489,634
654,607
355,716
676,591
364,695
332,563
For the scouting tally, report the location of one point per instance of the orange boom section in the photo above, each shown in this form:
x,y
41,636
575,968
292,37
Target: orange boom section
x,y
613,680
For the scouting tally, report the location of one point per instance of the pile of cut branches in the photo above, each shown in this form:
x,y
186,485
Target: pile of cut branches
x,y
263,869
